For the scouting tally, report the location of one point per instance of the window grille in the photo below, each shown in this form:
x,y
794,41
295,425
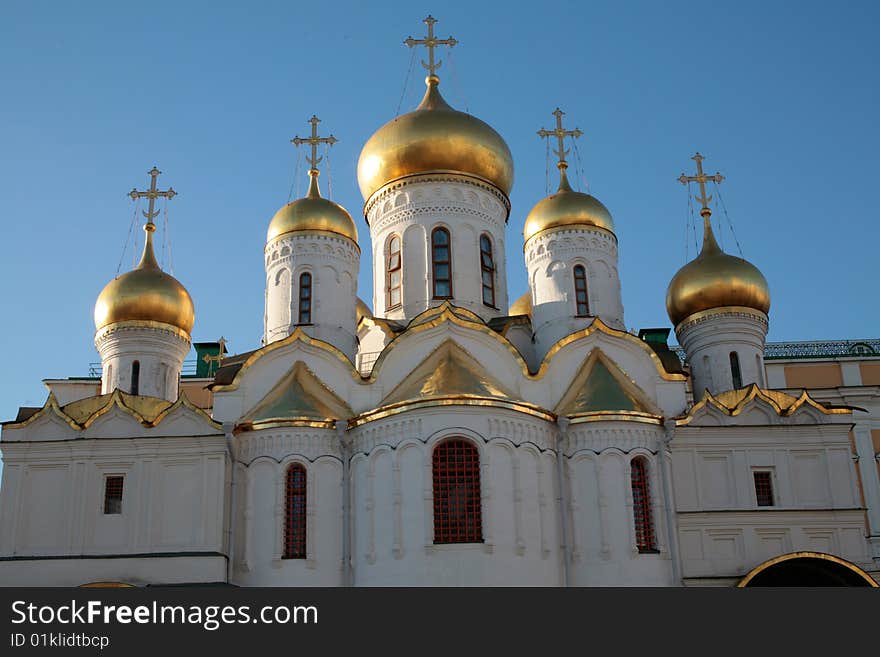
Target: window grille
x,y
580,291
457,512
487,268
644,523
113,494
295,513
394,273
763,488
441,263
305,298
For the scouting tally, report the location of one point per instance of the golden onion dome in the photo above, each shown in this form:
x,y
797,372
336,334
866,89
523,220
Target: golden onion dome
x,y
145,294
567,208
363,310
715,279
312,212
522,306
433,138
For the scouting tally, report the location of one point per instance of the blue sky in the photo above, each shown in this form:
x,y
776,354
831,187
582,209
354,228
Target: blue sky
x,y
782,98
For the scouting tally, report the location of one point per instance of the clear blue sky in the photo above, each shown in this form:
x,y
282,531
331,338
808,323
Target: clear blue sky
x,y
781,97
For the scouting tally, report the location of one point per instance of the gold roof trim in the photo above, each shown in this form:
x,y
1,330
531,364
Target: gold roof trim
x,y
297,336
616,416
723,310
452,400
732,402
299,398
148,411
581,396
143,323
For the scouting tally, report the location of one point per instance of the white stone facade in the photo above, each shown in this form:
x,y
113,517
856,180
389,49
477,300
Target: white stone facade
x,y
551,256
411,209
332,261
711,338
152,354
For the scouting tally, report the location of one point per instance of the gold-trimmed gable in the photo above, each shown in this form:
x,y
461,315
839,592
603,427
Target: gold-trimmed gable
x,y
50,407
733,402
600,385
298,399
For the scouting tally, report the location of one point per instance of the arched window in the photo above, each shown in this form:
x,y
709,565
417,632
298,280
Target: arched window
x,y
295,513
135,377
641,492
457,512
487,266
393,267
735,373
305,298
580,291
441,263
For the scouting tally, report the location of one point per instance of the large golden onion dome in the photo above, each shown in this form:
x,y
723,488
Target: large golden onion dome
x,y
567,208
715,279
522,306
313,212
145,294
434,138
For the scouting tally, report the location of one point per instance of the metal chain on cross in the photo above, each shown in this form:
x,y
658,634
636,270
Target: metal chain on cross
x,y
151,195
137,207
701,179
560,134
430,42
313,141
729,222
412,61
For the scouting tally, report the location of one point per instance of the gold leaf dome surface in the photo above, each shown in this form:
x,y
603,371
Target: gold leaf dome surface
x,y
312,212
434,137
363,310
567,208
145,294
522,306
715,279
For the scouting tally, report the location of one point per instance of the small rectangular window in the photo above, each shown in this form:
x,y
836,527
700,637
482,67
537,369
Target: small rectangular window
x,y
764,487
113,495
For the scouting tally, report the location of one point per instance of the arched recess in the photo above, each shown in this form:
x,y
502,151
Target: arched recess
x,y
807,569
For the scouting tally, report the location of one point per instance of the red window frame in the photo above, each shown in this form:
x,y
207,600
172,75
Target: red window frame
x,y
394,273
642,516
441,256
764,488
305,298
457,498
113,488
581,298
487,271
295,512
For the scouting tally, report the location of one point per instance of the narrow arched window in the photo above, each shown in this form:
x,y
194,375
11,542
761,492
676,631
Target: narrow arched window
x,y
305,298
441,263
457,512
735,373
580,291
135,377
393,273
487,267
644,523
295,513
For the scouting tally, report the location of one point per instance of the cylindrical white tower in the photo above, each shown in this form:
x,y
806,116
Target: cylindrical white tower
x,y
143,321
571,257
312,260
719,304
436,183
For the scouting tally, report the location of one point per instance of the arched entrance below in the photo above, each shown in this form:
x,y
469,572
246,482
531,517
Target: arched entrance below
x,y
807,569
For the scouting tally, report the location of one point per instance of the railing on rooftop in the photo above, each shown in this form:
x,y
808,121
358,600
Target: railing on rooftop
x,y
814,349
189,369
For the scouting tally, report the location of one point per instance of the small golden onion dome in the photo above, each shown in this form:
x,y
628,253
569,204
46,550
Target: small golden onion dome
x,y
567,208
363,310
522,306
312,212
145,294
432,138
715,279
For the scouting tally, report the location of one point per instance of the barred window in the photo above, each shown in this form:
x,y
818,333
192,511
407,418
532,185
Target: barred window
x,y
135,377
487,269
305,298
457,512
394,270
441,263
113,494
763,488
295,513
735,373
644,523
580,291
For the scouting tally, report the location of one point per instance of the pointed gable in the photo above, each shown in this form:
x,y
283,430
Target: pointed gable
x,y
601,386
298,397
449,371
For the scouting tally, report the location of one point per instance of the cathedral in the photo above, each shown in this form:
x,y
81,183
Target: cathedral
x,y
442,435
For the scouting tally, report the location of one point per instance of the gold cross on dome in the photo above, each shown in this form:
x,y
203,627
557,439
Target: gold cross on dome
x,y
313,141
560,133
702,179
430,42
152,194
